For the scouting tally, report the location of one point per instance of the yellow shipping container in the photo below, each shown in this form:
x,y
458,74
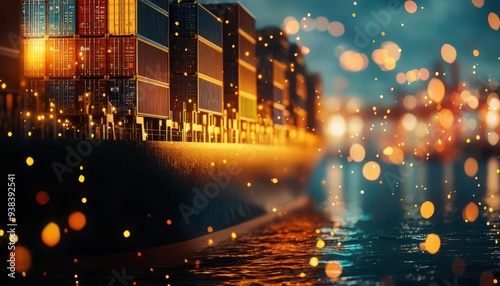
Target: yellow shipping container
x,y
34,57
122,17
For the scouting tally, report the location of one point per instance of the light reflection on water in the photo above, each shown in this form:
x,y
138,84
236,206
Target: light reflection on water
x,y
375,235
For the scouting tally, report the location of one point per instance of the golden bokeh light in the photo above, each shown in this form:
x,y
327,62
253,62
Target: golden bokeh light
x,y
333,269
446,118
432,243
475,53
77,221
313,261
470,212
357,152
126,233
397,156
409,122
436,89
427,209
371,170
51,234
30,161
448,53
81,178
471,167
23,259
320,243
291,25
353,61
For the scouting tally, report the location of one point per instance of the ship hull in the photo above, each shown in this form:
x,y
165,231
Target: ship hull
x,y
143,201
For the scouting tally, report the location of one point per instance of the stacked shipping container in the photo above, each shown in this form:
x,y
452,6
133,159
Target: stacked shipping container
x,y
197,60
82,53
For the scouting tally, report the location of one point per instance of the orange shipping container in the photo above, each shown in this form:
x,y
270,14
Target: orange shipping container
x,y
121,57
34,58
122,17
60,54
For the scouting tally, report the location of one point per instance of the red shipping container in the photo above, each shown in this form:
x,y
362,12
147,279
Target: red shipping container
x,y
91,57
121,57
92,17
60,54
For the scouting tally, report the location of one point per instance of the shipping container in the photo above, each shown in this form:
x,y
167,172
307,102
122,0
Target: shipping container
x,y
246,50
210,96
209,26
153,62
183,55
210,61
183,19
247,80
122,95
182,89
62,17
152,24
94,93
91,57
246,21
152,99
60,54
121,59
33,51
33,18
62,96
122,17
278,118
92,17
248,107
36,99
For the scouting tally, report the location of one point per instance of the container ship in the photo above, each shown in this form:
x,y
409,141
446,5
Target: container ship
x,y
141,130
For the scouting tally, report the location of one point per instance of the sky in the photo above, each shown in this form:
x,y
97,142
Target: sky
x,y
368,24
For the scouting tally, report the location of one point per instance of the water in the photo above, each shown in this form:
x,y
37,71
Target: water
x,y
373,229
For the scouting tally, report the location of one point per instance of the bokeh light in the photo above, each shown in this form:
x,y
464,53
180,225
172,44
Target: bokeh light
x,y
432,243
313,261
436,89
410,6
427,209
42,198
357,152
336,29
333,269
494,21
51,234
471,167
30,161
448,53
23,259
291,25
371,170
77,221
470,212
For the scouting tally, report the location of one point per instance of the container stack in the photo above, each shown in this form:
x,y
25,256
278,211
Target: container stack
x,y
240,68
197,69
98,58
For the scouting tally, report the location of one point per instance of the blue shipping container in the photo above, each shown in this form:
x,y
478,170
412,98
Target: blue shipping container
x,y
62,17
152,24
62,92
122,95
209,27
33,18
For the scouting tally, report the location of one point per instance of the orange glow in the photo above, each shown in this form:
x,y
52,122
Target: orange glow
x,y
23,259
448,53
210,229
423,74
432,243
410,7
409,122
471,167
291,25
397,156
353,61
51,234
436,89
379,56
336,29
475,52
458,266
393,50
446,118
42,198
401,78
389,63
470,212
333,269
478,3
494,21
371,171
357,152
77,221
427,209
